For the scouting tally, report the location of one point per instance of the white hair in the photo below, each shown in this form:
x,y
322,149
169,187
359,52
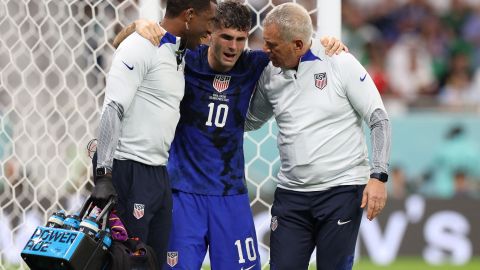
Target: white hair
x,y
293,21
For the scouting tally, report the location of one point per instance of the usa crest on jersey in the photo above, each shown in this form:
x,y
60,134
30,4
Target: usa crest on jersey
x,y
221,82
320,80
172,258
274,223
138,210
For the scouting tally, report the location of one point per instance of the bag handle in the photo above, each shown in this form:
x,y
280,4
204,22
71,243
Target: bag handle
x,y
88,206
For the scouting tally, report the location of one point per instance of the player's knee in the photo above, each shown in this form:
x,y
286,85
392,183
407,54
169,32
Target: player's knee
x,y
288,263
329,263
346,263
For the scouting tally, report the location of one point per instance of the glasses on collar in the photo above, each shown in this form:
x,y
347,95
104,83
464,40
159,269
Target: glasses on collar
x,y
179,54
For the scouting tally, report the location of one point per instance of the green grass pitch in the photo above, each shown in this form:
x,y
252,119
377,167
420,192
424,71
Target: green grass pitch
x,y
404,264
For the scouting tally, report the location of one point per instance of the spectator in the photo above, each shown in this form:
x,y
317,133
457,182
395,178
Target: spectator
x,y
458,92
458,153
397,187
409,68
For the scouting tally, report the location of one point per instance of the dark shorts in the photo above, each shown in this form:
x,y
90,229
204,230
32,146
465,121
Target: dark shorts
x,y
144,202
328,220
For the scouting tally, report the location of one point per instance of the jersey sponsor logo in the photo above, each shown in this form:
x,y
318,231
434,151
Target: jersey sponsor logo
x,y
363,78
221,82
128,66
248,268
340,223
172,258
138,210
274,223
320,80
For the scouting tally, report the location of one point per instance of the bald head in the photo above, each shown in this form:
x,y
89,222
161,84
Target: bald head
x,y
292,20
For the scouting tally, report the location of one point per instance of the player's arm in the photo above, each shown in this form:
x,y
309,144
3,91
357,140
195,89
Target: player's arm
x,y
129,65
260,110
365,99
148,29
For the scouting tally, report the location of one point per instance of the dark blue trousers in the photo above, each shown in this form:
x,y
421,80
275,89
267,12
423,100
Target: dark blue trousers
x,y
144,203
328,220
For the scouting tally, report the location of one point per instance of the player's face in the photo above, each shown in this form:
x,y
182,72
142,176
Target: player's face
x,y
227,44
281,53
200,26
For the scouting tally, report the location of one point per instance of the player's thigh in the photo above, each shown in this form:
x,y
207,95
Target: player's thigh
x,y
161,223
336,236
187,247
233,240
292,231
140,196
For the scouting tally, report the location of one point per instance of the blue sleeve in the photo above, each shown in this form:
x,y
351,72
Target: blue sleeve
x,y
257,57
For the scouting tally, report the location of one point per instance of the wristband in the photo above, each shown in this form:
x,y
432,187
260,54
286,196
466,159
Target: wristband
x,y
382,177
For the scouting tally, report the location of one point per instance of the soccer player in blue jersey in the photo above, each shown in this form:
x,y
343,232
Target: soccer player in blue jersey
x,y
206,165
211,205
144,88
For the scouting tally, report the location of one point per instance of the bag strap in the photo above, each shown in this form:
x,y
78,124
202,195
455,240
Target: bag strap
x,y
88,206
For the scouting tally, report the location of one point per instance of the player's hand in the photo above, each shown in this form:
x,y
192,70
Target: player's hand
x,y
333,45
103,191
374,197
150,30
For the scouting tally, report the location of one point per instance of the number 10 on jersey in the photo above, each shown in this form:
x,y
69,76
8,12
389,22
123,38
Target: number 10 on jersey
x,y
249,248
221,113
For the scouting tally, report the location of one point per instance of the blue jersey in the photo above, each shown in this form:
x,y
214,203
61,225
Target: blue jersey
x,y
206,156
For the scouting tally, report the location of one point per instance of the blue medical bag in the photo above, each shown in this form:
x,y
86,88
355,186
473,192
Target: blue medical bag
x,y
71,245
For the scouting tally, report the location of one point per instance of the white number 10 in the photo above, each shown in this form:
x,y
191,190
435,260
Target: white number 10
x,y
249,247
222,110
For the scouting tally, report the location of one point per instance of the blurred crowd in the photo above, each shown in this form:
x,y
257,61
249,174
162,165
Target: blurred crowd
x,y
424,55
420,53
453,172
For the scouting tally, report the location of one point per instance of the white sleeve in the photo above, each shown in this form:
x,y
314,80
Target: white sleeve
x,y
358,85
129,66
260,109
365,99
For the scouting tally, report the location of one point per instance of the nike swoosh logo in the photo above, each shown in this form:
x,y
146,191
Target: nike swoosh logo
x,y
363,78
248,268
129,67
339,222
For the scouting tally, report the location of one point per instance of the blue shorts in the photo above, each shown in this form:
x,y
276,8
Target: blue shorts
x,y
224,224
328,220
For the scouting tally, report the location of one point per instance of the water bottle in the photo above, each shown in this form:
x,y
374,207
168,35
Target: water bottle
x,y
56,219
71,222
107,238
89,226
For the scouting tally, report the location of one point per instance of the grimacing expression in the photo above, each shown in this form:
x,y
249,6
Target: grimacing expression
x,y
200,26
281,53
227,44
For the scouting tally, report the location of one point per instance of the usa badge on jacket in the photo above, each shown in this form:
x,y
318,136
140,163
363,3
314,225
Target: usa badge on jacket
x,y
138,210
320,80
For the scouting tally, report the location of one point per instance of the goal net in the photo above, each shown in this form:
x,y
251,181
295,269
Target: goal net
x,y
54,56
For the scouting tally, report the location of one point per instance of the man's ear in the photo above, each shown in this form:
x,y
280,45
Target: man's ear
x,y
299,45
189,14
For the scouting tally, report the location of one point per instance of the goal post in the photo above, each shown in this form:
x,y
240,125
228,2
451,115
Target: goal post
x,y
329,18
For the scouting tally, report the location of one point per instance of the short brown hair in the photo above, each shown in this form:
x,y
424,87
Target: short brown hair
x,y
233,14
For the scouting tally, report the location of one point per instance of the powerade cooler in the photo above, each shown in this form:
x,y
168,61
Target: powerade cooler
x,y
67,243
